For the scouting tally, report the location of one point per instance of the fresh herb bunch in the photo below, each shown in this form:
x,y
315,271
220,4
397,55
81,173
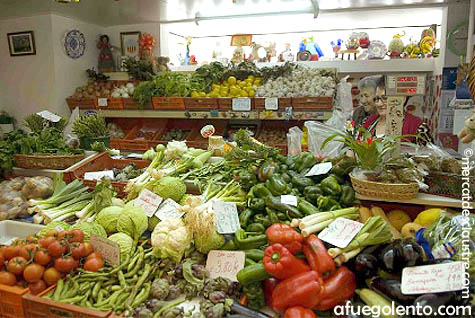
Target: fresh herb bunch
x,y
96,76
241,71
277,71
174,84
210,74
36,123
140,70
92,126
143,93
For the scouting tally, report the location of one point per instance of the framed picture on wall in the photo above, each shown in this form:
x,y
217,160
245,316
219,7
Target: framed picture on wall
x,y
129,43
21,43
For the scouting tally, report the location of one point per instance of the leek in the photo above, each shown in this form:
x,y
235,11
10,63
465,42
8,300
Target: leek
x,y
317,222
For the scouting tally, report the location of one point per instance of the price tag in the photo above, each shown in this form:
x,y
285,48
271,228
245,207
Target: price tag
x,y
271,103
436,278
288,199
169,210
242,104
99,175
109,250
226,217
319,169
225,264
340,232
102,102
135,155
49,116
207,131
149,201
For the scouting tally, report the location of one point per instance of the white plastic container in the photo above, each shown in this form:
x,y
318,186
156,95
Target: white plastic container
x,y
11,230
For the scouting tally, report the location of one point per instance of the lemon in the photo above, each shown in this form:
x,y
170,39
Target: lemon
x,y
232,80
195,94
202,94
234,91
224,92
214,94
242,84
251,77
243,93
214,86
257,83
428,217
251,93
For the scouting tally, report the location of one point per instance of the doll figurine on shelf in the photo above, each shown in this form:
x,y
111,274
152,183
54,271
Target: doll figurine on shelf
x,y
106,59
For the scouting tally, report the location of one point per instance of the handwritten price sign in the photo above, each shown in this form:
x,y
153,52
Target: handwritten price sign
x,y
340,232
109,250
149,201
225,264
433,278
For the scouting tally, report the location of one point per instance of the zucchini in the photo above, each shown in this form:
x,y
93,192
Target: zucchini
x,y
252,273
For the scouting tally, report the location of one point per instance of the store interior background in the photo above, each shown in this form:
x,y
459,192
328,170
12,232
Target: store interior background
x,y
32,83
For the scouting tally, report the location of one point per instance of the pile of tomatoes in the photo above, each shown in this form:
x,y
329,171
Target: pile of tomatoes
x,y
40,262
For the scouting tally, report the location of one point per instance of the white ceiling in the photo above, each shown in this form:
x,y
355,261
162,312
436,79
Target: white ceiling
x,y
111,12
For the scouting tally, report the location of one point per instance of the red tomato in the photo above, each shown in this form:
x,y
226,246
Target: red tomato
x,y
63,235
42,257
52,233
16,265
38,287
11,252
46,241
2,260
57,248
78,250
94,264
51,276
76,235
7,278
94,255
89,248
33,273
28,251
64,264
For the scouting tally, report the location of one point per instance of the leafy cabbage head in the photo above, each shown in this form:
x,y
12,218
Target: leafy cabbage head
x,y
108,218
133,221
125,243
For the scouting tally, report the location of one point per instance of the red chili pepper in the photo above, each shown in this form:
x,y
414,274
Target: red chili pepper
x,y
318,257
337,289
269,286
285,235
300,290
299,312
280,263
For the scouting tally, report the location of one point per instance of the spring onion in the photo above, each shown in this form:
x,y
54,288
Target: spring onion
x,y
317,222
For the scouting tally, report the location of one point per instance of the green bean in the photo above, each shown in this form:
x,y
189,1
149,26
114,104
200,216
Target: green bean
x,y
115,288
114,296
132,262
58,289
142,296
147,270
73,300
137,265
100,296
95,290
89,305
84,287
121,279
122,299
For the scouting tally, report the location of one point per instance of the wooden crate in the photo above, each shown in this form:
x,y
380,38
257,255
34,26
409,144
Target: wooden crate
x,y
131,143
82,103
130,103
201,103
11,301
225,103
183,124
168,103
312,103
259,103
112,103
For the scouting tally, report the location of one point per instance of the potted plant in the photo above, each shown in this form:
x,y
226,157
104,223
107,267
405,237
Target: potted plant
x,y
381,171
90,129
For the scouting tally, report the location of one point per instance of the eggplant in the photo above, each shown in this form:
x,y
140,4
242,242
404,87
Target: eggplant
x,y
434,301
390,288
247,312
400,254
366,266
411,253
437,261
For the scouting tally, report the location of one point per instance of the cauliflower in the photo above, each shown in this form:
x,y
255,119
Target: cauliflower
x,y
168,188
175,149
171,239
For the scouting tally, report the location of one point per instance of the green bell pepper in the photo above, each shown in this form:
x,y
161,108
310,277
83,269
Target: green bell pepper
x,y
249,262
254,254
257,204
267,169
275,203
263,220
259,191
251,274
301,182
229,246
306,207
347,195
256,228
277,186
290,161
244,241
327,204
285,176
283,168
295,192
272,215
305,160
312,193
245,216
340,180
343,167
330,186
282,216
246,179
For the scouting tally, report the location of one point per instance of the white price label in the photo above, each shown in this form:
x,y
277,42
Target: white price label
x,y
169,210
135,155
49,116
102,102
319,169
288,199
149,201
99,175
436,278
225,264
242,104
271,103
108,249
226,217
340,232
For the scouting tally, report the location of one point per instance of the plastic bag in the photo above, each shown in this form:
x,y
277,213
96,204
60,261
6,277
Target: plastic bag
x,y
343,110
317,133
294,141
71,139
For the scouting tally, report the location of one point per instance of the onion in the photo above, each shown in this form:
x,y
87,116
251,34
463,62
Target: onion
x,y
106,92
115,95
130,90
125,95
130,85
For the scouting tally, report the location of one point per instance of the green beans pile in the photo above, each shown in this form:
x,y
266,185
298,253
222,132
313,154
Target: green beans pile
x,y
119,288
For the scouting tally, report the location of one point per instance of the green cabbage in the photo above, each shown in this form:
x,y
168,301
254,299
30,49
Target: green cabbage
x,y
133,221
126,244
90,228
108,218
55,225
152,222
168,187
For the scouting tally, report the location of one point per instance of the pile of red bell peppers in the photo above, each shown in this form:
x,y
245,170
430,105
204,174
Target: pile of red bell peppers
x,y
298,287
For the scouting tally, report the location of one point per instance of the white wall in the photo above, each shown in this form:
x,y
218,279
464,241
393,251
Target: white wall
x,y
153,28
458,11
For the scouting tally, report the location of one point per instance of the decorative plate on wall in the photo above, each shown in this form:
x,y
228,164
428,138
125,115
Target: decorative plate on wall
x,y
75,44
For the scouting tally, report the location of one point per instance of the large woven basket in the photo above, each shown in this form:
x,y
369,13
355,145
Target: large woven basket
x,y
398,191
47,161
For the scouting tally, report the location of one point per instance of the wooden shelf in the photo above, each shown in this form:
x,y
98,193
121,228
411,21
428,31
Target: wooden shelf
x,y
421,199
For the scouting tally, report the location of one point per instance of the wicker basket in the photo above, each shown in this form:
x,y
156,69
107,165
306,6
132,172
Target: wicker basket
x,y
47,162
398,191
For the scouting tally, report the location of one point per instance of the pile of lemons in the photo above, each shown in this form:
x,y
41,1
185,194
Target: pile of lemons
x,y
232,87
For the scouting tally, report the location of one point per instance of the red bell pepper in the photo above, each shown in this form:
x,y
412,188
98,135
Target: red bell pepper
x,y
318,257
337,289
269,286
300,290
280,263
299,312
285,235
